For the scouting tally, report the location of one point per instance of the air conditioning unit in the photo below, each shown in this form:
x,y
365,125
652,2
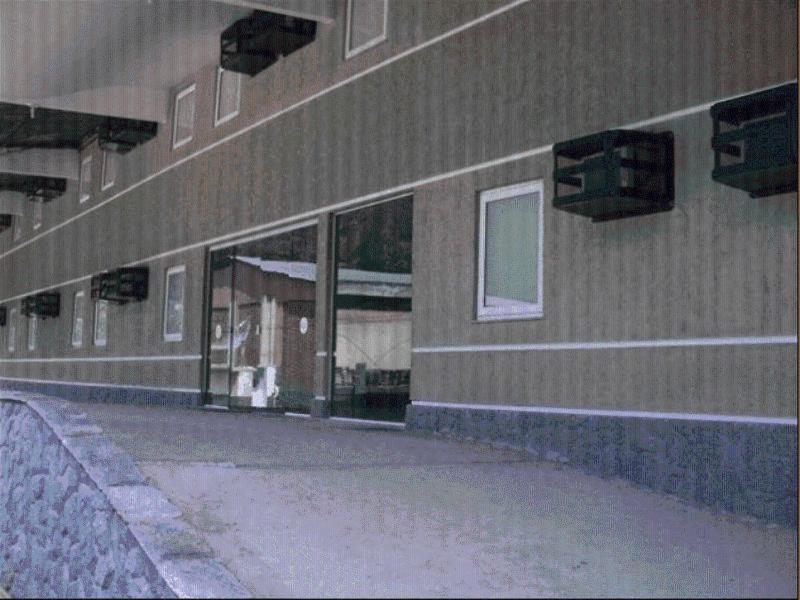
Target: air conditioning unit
x,y
614,174
755,142
123,135
254,43
43,304
35,187
123,285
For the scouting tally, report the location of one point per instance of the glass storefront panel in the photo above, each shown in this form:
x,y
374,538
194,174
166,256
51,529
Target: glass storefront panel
x,y
372,305
271,332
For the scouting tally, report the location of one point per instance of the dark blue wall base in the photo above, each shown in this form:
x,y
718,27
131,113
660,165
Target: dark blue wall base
x,y
111,395
741,468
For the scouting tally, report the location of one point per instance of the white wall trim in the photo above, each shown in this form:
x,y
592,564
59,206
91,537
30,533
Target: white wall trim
x,y
369,422
614,413
184,93
398,190
356,76
93,384
613,345
103,359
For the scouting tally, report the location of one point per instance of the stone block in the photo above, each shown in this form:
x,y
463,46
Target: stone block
x,y
197,578
141,503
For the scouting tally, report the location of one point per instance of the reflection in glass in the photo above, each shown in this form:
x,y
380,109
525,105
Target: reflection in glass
x,y
372,362
262,335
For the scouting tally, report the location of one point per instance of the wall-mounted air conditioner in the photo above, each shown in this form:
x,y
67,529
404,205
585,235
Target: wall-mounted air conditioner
x,y
43,304
755,142
614,174
123,285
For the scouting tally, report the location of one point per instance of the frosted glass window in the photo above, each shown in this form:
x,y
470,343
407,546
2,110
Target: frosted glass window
x,y
85,191
229,84
32,332
510,252
77,320
183,119
173,304
366,24
109,169
12,329
100,323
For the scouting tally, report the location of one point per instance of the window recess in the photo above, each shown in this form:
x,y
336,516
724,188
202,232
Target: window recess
x,y
755,142
614,174
123,285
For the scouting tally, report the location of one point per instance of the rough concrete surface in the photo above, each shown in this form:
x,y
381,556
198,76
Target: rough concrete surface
x,y
297,507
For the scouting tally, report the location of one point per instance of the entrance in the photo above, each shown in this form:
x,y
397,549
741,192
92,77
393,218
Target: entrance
x,y
372,311
261,327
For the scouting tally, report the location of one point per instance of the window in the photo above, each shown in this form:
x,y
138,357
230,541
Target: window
x,y
100,322
19,224
366,25
510,252
229,87
183,119
173,304
85,186
77,320
32,332
12,329
38,206
109,169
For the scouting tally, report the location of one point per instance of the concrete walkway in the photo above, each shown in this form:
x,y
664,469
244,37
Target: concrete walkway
x,y
296,507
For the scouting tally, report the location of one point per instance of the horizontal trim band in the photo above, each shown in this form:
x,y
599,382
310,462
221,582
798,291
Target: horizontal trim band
x,y
590,412
613,345
101,385
369,422
296,220
102,359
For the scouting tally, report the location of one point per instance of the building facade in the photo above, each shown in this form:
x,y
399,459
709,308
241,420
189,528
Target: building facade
x,y
367,228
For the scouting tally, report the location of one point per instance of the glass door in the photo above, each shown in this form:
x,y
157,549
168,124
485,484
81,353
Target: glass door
x,y
269,308
372,311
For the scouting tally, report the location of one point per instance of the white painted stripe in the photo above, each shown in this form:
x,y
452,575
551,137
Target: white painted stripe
x,y
320,398
103,359
297,220
298,415
615,413
283,111
612,345
321,354
215,407
369,422
93,384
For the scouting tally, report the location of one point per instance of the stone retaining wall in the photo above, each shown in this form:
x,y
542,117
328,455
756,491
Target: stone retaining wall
x,y
77,518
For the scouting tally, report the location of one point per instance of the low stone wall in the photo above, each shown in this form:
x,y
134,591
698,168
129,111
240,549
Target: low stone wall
x,y
103,393
742,468
77,518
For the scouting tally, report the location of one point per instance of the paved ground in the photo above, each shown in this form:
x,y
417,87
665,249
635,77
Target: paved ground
x,y
296,507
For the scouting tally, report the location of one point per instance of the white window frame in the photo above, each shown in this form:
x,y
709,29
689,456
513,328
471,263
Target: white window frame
x,y
174,337
75,317
176,143
104,183
224,119
38,209
32,332
11,342
512,309
348,53
85,193
100,341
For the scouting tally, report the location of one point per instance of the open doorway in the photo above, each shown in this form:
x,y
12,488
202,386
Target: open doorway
x,y
372,311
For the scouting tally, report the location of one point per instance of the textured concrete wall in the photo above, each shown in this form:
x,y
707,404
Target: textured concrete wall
x,y
744,468
78,520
